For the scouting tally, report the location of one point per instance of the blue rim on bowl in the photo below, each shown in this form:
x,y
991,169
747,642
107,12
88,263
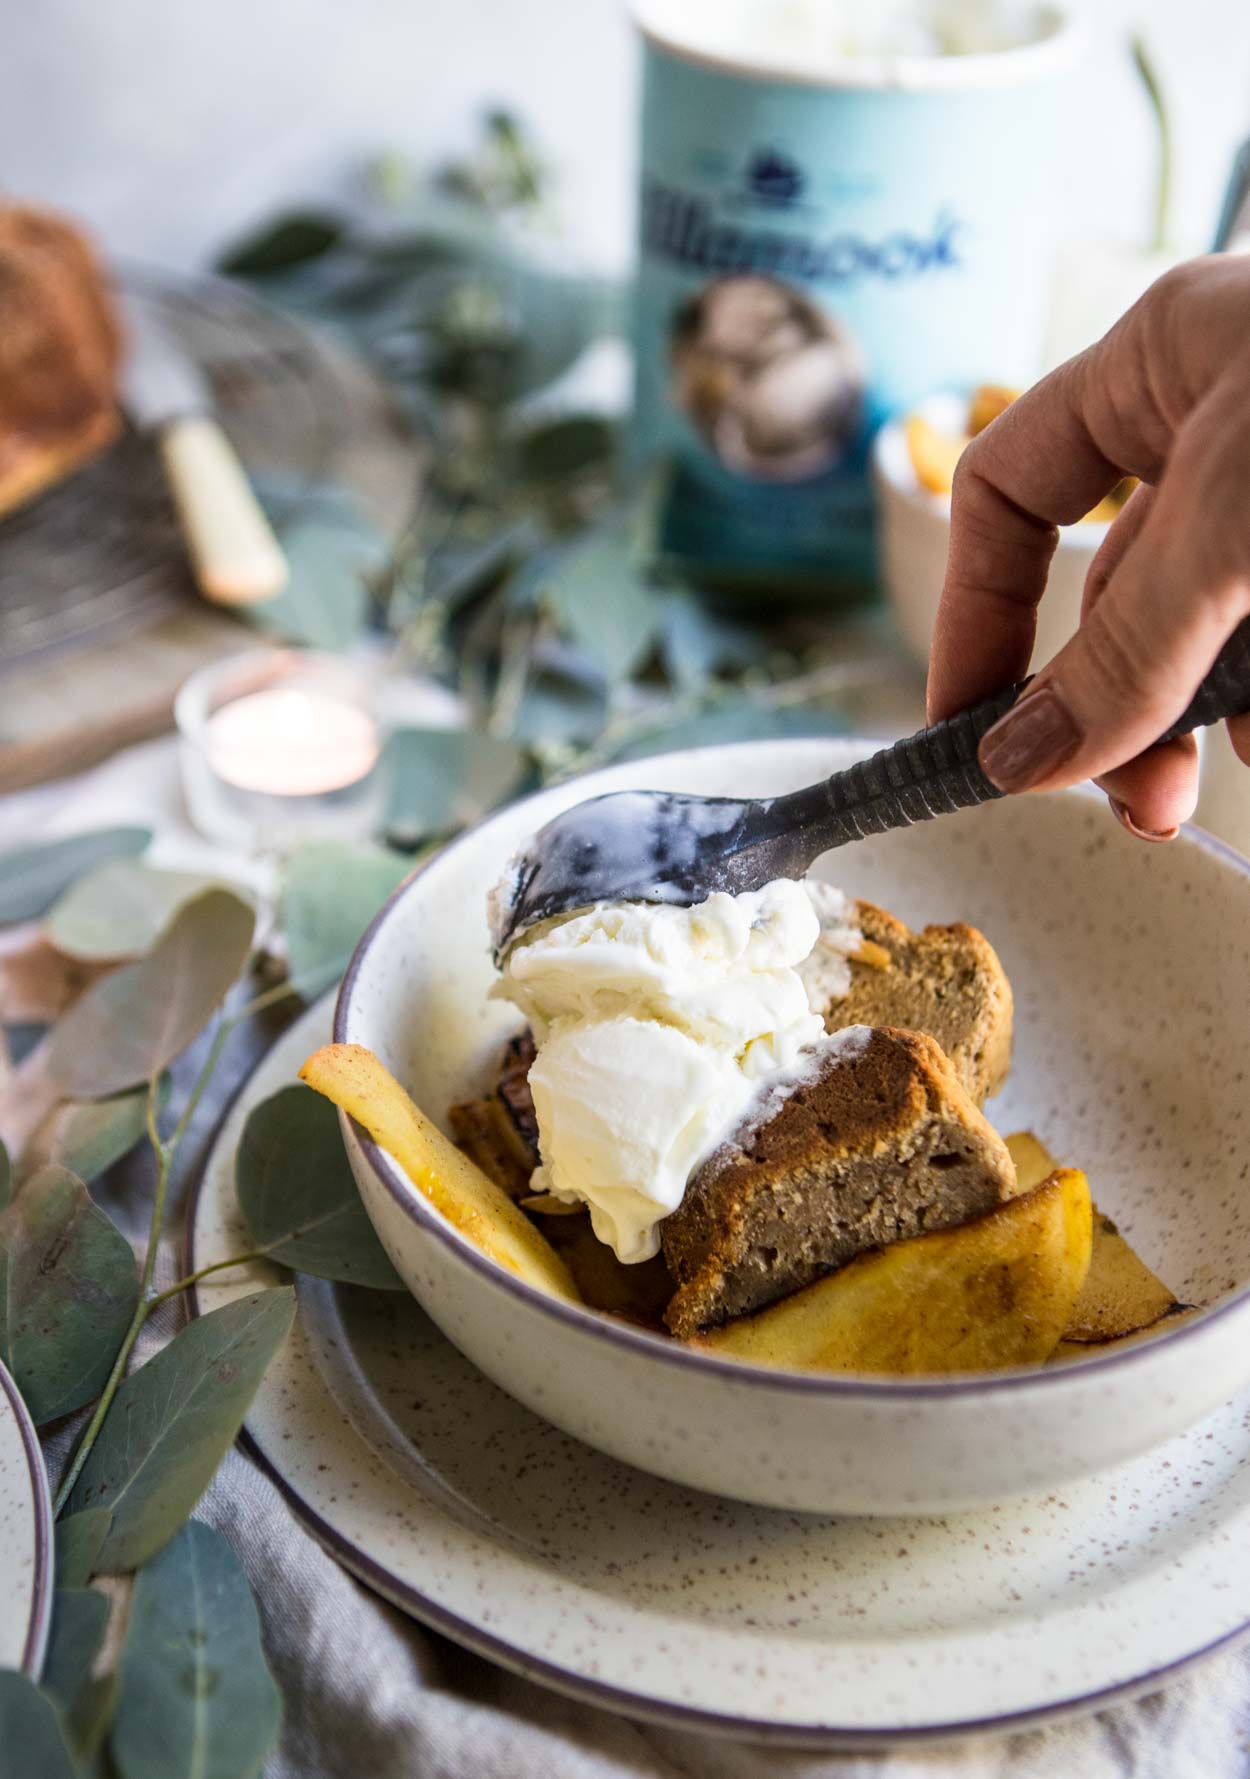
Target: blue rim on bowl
x,y
673,1352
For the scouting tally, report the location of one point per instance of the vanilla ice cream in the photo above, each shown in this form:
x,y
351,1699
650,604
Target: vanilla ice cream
x,y
826,970
657,1027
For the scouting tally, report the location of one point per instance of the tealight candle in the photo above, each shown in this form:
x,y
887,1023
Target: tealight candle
x,y
291,743
279,746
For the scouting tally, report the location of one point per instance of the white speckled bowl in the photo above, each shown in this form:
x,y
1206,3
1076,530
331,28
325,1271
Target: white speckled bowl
x,y
1131,970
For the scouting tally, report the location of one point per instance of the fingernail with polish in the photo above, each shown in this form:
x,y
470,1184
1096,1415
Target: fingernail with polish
x,y
1124,816
1033,740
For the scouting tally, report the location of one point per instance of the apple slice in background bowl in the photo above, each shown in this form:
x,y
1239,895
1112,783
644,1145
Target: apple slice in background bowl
x,y
912,456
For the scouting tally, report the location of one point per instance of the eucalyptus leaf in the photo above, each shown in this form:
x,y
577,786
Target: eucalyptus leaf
x,y
32,878
79,1620
88,1136
87,1728
384,276
131,1024
173,1421
558,317
299,1197
31,1726
331,892
288,241
459,572
555,711
79,1539
68,1290
698,643
285,494
326,600
303,288
196,1699
527,586
433,233
601,598
439,780
120,909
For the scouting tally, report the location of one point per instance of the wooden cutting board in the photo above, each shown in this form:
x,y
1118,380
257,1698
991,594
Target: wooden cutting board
x,y
100,621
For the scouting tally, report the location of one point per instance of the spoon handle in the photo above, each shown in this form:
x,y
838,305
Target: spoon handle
x,y
937,771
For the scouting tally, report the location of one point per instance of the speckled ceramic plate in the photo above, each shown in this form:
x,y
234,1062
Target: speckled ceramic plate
x,y
465,1509
25,1537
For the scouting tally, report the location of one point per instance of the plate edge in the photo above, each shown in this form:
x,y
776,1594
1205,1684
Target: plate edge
x,y
35,1647
601,1694
816,1737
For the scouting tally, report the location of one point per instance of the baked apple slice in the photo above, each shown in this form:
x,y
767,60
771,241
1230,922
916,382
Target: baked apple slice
x,y
995,1292
360,1085
1121,1295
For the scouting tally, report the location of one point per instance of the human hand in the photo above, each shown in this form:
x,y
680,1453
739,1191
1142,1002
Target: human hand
x,y
1165,396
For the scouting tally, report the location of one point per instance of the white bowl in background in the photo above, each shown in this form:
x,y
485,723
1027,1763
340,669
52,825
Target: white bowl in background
x,y
914,527
1131,971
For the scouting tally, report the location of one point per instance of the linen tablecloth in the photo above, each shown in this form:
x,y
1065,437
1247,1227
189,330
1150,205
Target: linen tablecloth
x,y
368,1694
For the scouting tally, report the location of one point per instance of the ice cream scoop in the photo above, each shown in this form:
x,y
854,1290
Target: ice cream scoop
x,y
662,846
656,1029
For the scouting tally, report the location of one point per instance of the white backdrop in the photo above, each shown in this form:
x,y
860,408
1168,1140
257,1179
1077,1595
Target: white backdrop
x,y
168,123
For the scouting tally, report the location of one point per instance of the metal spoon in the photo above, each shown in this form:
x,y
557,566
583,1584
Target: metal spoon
x,y
663,846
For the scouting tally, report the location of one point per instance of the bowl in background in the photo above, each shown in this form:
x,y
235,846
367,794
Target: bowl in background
x,y
914,527
1131,970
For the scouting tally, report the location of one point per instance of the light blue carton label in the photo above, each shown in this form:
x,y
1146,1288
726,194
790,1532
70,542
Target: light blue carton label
x,y
812,260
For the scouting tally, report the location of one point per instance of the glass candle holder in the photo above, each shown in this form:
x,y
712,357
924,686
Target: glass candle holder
x,y
278,747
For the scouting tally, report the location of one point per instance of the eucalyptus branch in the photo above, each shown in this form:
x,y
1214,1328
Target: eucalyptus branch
x,y
143,1310
165,1151
92,1429
281,991
169,1149
631,724
1158,105
151,1116
521,632
627,726
825,682
193,1278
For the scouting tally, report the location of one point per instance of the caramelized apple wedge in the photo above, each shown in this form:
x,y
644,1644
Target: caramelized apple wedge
x,y
995,1292
361,1086
1034,1162
987,403
1071,1351
933,454
1121,1295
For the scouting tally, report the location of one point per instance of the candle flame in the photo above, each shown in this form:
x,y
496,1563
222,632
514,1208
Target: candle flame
x,y
289,742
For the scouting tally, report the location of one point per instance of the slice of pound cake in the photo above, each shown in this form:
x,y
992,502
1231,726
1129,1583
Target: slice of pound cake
x,y
874,1140
946,981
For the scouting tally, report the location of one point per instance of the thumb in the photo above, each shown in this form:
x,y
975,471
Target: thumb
x,y
1146,642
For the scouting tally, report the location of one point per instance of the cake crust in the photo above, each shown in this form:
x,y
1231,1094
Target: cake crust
x,y
880,1142
946,981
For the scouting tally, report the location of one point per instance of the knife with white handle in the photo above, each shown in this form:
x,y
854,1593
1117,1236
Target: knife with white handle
x,y
234,554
